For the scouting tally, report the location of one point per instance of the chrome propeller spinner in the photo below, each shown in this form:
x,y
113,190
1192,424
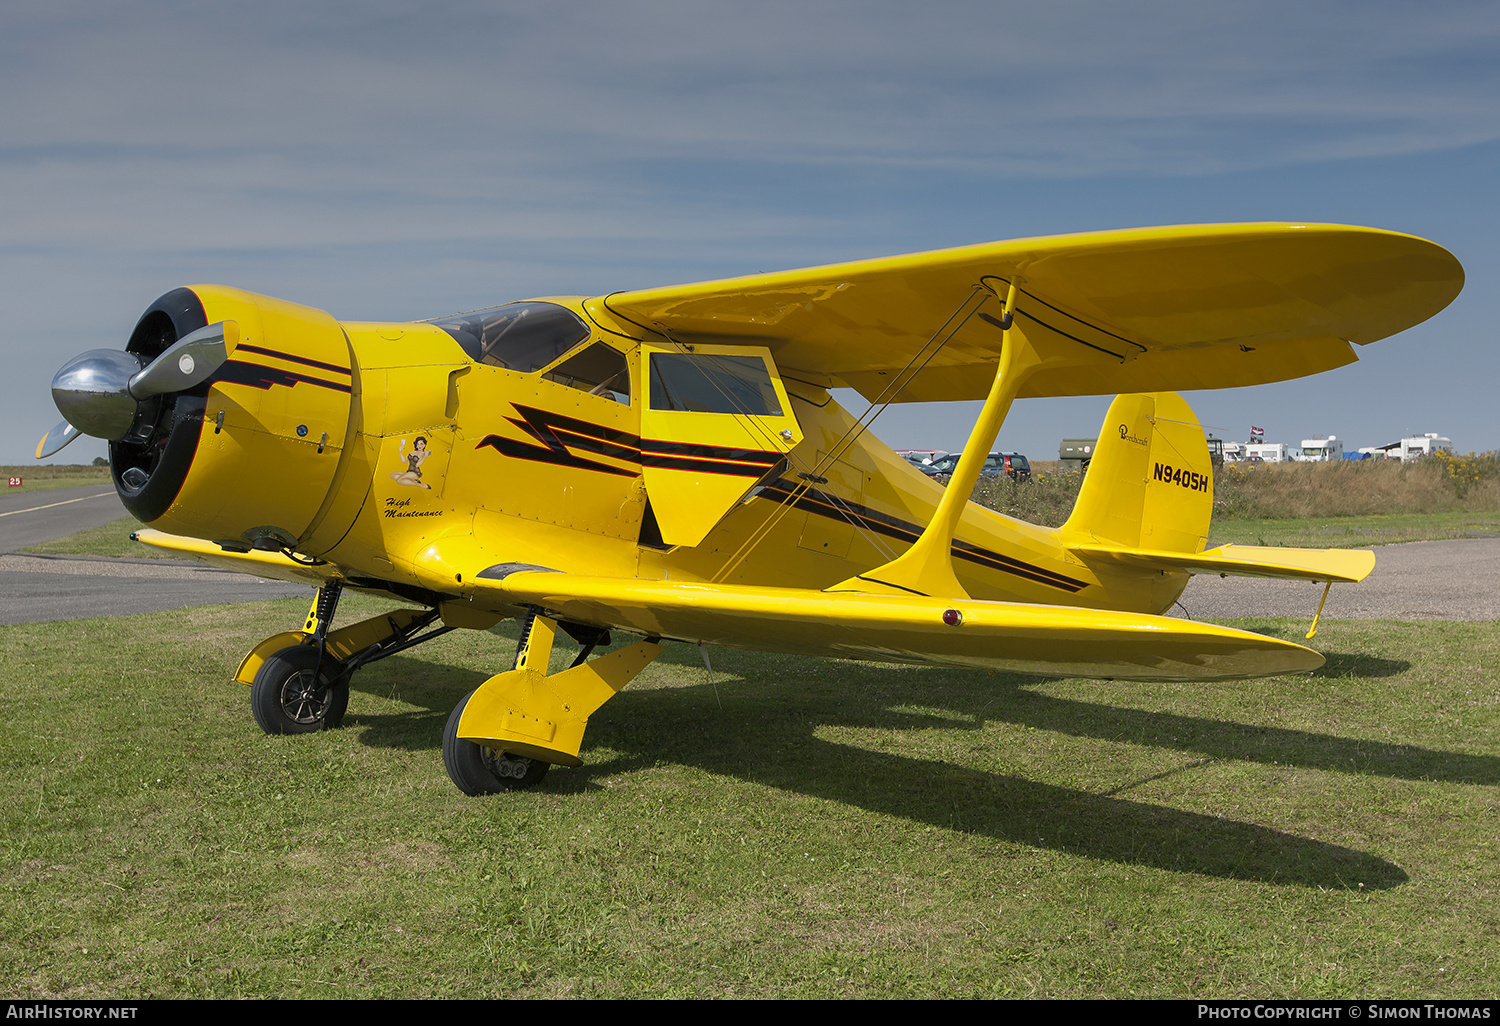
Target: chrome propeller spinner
x,y
100,393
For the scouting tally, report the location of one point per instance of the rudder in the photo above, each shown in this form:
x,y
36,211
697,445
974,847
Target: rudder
x,y
1150,483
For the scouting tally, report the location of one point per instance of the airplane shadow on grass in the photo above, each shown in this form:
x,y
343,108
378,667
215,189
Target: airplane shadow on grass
x,y
766,734
1000,806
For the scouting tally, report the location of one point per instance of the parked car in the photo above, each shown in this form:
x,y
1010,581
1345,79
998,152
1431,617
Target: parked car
x,y
1012,464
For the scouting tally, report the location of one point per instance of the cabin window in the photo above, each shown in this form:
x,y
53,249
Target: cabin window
x,y
712,384
597,370
521,337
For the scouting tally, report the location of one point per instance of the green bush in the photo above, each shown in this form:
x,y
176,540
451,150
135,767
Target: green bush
x,y
1278,491
1046,500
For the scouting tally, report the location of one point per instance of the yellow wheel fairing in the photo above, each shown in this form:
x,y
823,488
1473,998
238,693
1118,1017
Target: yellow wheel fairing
x,y
530,712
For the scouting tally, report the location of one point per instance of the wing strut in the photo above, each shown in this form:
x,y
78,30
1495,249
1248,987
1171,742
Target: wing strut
x,y
1314,628
927,567
955,322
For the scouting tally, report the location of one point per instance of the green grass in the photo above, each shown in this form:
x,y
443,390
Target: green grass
x,y
1354,532
38,477
796,828
112,539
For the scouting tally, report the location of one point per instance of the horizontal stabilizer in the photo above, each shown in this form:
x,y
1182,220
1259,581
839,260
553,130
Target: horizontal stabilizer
x,y
1344,566
1036,639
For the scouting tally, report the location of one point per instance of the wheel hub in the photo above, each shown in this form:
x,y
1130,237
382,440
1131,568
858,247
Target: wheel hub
x,y
302,700
507,766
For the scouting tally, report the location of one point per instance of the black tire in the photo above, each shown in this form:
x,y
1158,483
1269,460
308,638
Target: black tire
x,y
286,700
478,769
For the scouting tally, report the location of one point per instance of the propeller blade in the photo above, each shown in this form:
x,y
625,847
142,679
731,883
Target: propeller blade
x,y
56,439
187,362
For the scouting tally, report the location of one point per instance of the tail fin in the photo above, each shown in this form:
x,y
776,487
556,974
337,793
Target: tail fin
x,y
1149,496
1150,484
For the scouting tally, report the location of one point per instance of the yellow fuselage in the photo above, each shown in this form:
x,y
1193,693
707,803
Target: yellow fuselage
x,y
387,451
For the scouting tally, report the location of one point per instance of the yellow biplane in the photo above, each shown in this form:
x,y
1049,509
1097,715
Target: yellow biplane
x,y
669,464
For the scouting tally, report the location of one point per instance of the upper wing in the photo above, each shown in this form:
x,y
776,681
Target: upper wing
x,y
1153,309
1053,640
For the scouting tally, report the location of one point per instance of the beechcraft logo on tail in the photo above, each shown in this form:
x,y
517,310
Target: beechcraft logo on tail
x,y
1178,476
1126,436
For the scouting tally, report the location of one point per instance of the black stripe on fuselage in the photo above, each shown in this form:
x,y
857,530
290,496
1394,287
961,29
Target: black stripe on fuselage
x,y
558,432
834,508
707,459
561,438
256,375
657,446
703,466
559,456
559,435
246,348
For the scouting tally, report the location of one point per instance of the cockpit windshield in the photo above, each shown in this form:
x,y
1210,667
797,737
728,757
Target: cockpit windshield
x,y
519,336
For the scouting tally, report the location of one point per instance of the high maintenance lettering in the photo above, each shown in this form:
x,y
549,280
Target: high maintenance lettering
x,y
1168,474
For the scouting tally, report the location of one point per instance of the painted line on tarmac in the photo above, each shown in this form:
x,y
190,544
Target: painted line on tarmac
x,y
49,505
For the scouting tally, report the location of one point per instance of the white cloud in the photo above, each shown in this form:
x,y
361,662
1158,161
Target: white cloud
x,y
478,150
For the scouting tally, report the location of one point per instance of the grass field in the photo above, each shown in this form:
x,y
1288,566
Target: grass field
x,y
1353,532
785,828
38,477
112,539
793,828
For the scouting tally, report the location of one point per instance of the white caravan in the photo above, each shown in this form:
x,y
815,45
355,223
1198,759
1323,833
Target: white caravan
x,y
1269,452
1416,447
1321,450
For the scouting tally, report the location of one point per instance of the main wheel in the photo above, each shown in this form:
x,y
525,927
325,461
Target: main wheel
x,y
287,698
478,769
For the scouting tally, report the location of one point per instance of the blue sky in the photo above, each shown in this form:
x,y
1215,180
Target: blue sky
x,y
385,160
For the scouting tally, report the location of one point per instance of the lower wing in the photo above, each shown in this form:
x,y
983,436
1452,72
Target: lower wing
x,y
272,565
1036,639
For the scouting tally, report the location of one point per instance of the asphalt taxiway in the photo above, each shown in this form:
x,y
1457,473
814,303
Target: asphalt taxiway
x,y
1432,580
34,589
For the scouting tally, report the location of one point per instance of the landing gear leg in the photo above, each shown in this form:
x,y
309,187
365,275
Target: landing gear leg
x,y
301,688
504,734
299,680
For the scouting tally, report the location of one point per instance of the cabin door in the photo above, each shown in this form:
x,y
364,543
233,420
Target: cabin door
x,y
714,421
